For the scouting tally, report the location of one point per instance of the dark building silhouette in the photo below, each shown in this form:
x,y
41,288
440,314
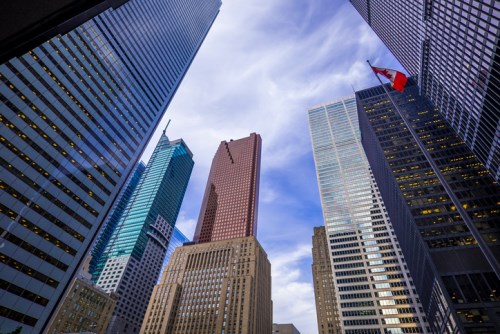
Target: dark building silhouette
x,y
453,48
454,264
26,24
285,329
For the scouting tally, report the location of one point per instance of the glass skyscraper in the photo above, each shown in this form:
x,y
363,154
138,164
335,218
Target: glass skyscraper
x,y
221,283
133,258
373,287
177,240
229,207
75,114
95,268
453,262
453,47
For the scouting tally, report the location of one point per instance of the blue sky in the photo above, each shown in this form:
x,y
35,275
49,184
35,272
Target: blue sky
x,y
262,65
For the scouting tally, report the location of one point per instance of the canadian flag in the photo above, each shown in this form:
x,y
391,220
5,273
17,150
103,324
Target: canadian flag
x,y
398,79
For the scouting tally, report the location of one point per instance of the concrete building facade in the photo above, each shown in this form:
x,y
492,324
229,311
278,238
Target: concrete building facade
x,y
86,308
327,311
221,282
215,287
177,240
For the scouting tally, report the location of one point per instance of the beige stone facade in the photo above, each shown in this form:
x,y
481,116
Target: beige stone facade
x,y
324,288
216,287
85,309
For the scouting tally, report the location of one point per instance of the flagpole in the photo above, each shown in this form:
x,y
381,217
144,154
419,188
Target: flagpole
x,y
467,220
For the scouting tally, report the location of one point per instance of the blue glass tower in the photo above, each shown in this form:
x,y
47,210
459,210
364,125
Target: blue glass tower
x,y
133,258
177,240
76,113
95,267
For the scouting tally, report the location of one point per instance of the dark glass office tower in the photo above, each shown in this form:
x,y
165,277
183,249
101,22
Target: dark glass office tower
x,y
454,265
95,267
75,115
453,47
26,24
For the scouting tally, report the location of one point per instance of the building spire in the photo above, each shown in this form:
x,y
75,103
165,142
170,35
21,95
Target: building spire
x,y
165,130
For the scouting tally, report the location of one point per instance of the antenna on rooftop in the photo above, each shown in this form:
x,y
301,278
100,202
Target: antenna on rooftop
x,y
166,126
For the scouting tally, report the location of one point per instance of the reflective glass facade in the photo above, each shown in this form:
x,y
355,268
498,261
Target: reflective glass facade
x,y
453,263
75,114
95,267
177,240
229,207
221,283
133,258
373,287
453,47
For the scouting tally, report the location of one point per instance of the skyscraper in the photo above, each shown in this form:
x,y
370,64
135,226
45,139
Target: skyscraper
x,y
213,287
25,24
76,113
95,268
177,240
133,258
373,286
222,284
327,311
454,263
235,170
453,48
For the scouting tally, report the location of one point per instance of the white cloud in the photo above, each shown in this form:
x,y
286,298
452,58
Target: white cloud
x,y
268,194
293,296
186,225
262,65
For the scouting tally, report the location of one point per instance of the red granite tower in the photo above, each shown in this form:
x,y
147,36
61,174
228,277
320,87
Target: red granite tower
x,y
222,282
229,208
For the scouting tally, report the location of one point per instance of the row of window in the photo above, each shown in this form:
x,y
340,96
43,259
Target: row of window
x,y
21,155
36,229
55,128
38,209
7,260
